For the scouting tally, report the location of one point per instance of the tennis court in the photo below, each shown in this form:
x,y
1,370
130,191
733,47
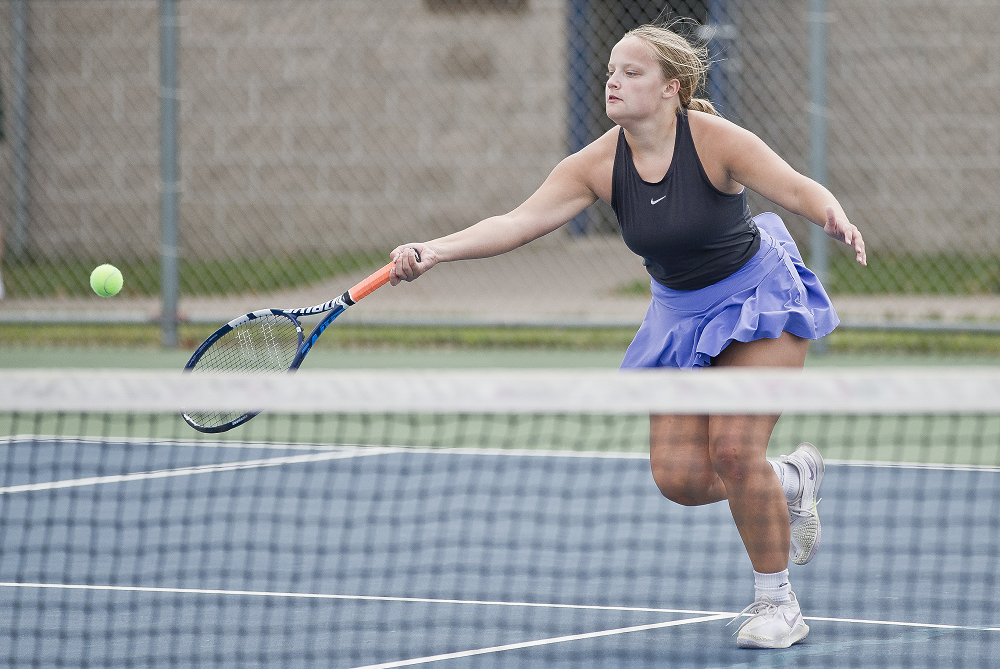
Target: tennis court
x,y
464,539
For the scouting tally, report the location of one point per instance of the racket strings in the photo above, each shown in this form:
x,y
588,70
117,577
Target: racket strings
x,y
266,344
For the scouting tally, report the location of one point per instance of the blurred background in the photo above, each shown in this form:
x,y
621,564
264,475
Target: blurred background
x,y
230,155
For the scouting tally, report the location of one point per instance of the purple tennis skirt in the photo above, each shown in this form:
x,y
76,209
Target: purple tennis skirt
x,y
771,294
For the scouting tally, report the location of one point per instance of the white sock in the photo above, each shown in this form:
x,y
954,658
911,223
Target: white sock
x,y
788,475
775,586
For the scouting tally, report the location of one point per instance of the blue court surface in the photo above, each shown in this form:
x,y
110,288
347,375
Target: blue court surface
x,y
154,553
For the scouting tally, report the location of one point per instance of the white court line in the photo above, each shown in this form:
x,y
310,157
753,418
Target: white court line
x,y
360,598
432,658
541,642
328,453
336,452
915,465
470,602
513,452
190,471
704,616
897,623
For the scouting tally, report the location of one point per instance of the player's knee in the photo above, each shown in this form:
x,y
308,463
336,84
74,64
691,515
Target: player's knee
x,y
730,462
682,486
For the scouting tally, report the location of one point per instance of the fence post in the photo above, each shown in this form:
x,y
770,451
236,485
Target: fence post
x,y
168,173
579,90
721,33
819,260
19,134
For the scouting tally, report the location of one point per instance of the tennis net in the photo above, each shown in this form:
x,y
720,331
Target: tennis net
x,y
432,518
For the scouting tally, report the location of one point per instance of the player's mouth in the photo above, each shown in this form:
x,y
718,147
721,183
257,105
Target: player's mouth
x,y
614,98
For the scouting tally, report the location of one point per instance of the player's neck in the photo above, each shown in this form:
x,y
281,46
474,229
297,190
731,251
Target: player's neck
x,y
652,136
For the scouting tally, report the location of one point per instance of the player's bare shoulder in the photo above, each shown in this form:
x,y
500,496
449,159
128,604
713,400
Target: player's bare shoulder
x,y
712,131
720,144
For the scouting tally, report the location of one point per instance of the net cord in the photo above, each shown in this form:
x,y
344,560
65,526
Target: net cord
x,y
823,390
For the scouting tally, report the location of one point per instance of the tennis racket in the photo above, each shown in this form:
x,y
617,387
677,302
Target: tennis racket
x,y
266,341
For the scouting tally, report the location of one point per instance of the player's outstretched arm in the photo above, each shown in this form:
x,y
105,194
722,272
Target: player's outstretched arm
x,y
564,194
750,162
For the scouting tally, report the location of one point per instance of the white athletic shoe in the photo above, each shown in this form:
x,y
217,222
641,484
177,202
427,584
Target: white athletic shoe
x,y
802,510
771,625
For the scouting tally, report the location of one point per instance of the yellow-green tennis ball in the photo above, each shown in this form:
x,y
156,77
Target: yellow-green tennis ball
x,y
106,280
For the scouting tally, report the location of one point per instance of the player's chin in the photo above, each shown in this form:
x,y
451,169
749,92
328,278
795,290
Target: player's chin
x,y
614,111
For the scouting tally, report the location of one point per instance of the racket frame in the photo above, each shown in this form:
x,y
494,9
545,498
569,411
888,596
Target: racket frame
x,y
335,306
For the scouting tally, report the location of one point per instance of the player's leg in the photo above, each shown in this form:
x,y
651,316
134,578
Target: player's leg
x,y
801,472
737,447
680,462
679,453
687,453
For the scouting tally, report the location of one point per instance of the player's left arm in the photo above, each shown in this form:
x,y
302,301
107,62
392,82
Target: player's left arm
x,y
750,162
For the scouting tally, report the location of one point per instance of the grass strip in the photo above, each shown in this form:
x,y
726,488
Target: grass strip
x,y
346,336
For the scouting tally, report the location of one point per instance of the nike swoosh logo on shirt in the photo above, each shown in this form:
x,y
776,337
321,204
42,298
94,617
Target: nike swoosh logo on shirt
x,y
652,201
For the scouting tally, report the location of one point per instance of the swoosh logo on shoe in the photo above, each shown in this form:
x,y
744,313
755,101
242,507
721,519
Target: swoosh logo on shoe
x,y
652,201
791,623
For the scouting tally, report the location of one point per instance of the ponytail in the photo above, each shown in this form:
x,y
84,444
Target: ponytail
x,y
700,104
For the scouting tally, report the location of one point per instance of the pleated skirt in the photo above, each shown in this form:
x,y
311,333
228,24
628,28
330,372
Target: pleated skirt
x,y
773,293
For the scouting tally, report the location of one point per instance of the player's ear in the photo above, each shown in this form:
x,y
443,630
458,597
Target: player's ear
x,y
671,88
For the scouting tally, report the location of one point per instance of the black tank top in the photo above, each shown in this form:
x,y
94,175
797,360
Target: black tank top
x,y
689,233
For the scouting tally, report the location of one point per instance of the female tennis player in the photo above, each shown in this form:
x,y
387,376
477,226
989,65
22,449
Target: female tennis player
x,y
728,290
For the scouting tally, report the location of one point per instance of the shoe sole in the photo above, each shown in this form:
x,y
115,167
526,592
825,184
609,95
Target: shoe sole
x,y
798,634
811,553
801,560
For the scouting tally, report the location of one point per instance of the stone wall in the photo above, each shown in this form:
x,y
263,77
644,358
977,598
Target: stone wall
x,y
304,123
324,124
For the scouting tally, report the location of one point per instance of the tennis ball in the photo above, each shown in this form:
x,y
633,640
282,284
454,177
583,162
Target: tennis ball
x,y
106,280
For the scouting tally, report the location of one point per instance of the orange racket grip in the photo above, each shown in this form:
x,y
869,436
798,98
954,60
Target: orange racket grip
x,y
369,285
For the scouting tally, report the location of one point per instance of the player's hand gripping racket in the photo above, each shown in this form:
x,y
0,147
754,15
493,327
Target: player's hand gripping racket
x,y
268,341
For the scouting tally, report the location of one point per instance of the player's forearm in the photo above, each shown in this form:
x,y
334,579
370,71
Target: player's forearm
x,y
812,201
490,237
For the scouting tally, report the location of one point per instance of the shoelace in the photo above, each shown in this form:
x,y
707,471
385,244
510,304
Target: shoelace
x,y
764,605
804,512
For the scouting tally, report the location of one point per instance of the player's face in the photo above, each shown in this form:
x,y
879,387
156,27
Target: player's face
x,y
635,88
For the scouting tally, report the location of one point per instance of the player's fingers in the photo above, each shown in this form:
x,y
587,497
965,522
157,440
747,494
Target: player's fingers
x,y
859,249
393,277
398,271
407,264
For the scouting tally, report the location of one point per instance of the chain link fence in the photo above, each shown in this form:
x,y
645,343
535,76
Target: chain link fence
x,y
316,135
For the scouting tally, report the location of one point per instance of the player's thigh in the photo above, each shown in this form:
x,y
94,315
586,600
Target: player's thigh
x,y
788,350
679,457
737,442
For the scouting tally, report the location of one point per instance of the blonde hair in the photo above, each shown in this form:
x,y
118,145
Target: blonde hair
x,y
679,59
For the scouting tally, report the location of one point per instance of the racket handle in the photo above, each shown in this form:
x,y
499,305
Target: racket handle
x,y
369,285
